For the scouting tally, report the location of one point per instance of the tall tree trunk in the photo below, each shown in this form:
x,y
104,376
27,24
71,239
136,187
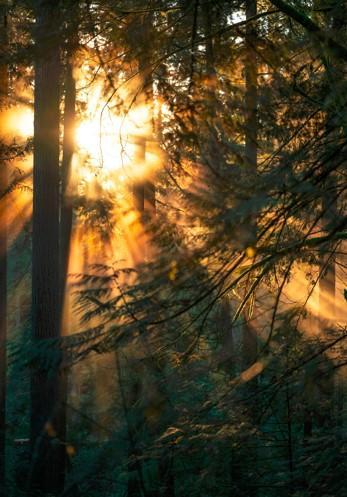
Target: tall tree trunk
x,y
251,130
327,283
249,340
319,411
336,21
47,424
144,203
3,260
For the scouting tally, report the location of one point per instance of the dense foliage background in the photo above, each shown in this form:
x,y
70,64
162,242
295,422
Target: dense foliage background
x,y
173,248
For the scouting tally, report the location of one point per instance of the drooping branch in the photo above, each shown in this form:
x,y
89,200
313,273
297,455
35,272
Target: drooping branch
x,y
337,50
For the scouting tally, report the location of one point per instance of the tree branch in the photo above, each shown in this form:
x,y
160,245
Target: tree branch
x,y
323,37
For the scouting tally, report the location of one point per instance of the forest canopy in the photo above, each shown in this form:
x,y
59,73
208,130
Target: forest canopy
x,y
173,238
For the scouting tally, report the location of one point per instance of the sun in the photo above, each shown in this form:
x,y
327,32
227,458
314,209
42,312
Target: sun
x,y
17,123
25,122
109,146
102,142
117,143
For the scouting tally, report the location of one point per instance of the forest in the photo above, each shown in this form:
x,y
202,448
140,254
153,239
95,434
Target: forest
x,y
173,248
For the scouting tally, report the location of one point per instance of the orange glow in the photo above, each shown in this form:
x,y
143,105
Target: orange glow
x,y
16,196
112,152
109,142
15,212
321,306
17,122
24,122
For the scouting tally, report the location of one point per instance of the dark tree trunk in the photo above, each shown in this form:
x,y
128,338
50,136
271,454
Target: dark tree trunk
x,y
47,415
251,130
319,408
144,204
322,412
246,464
327,283
3,261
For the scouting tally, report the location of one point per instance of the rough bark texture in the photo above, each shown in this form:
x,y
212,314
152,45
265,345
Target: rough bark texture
x,y
47,416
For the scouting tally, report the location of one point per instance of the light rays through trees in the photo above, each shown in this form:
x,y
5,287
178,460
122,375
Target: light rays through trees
x,y
173,248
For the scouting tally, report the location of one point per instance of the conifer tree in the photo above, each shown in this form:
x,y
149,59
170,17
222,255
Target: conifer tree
x,y
47,422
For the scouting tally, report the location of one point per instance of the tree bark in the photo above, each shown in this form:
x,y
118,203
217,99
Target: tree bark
x,y
327,282
144,204
318,413
47,418
251,131
249,341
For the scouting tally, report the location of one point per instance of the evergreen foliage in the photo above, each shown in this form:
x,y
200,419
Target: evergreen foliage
x,y
194,343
